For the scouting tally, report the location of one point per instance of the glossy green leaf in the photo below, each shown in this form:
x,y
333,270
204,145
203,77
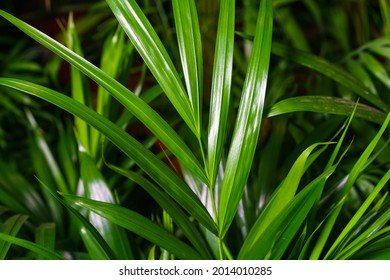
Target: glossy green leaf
x,y
362,209
77,84
221,86
181,219
134,104
154,167
273,242
137,224
330,70
45,236
247,127
326,105
354,173
112,56
188,36
96,188
152,50
97,247
376,68
376,250
41,251
282,196
11,227
375,230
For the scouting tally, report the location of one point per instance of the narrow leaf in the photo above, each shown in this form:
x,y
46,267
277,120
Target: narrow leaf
x,y
362,209
330,70
354,173
188,35
10,227
137,224
154,167
42,251
326,105
376,68
282,229
150,47
134,104
96,188
247,127
177,214
45,236
221,85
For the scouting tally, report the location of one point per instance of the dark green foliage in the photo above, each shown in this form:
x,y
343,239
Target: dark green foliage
x,y
268,141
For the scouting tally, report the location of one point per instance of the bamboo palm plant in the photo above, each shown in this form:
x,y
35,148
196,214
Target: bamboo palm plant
x,y
224,186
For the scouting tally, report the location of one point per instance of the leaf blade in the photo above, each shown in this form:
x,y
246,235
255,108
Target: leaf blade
x,y
249,118
137,224
164,176
221,86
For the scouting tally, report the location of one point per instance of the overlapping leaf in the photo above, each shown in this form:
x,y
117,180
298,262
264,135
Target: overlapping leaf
x,y
221,85
137,224
247,127
150,47
134,104
160,172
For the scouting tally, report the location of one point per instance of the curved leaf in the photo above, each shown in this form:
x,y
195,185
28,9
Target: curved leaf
x,y
247,127
42,251
137,224
134,104
96,188
166,203
10,227
221,84
154,167
188,35
150,47
326,105
330,70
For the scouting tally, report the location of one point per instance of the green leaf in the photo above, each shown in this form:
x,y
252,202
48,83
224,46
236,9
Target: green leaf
x,y
137,224
96,188
45,236
154,167
11,227
360,73
362,209
50,161
152,50
24,198
181,219
330,70
221,86
134,104
112,56
188,36
354,173
326,105
247,127
273,242
97,247
376,68
282,196
39,250
376,229
77,84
